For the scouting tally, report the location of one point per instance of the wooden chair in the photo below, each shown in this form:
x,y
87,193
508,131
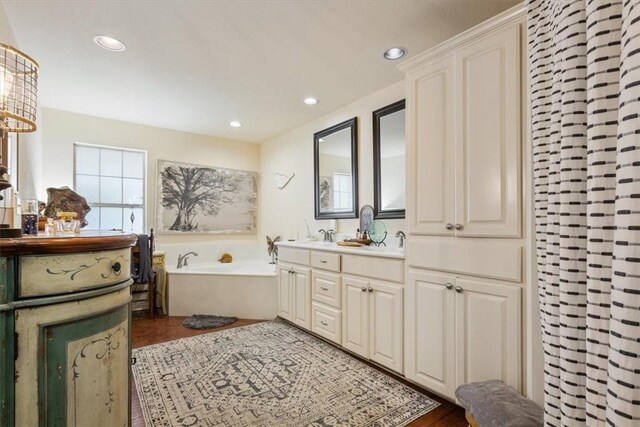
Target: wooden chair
x,y
139,288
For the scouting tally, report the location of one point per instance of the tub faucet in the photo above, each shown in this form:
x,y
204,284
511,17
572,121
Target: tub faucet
x,y
182,259
400,235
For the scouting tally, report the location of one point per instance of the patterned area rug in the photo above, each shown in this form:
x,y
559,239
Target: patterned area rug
x,y
267,374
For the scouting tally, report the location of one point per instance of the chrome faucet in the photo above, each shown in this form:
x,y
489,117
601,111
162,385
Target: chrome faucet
x,y
182,259
400,235
327,235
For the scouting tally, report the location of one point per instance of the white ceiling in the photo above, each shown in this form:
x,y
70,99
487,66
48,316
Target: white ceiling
x,y
196,65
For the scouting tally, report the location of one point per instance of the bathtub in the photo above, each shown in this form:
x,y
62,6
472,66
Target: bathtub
x,y
245,288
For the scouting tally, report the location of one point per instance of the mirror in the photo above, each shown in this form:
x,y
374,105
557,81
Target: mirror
x,y
389,149
336,171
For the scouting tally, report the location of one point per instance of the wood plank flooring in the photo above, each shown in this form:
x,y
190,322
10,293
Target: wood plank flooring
x,y
161,329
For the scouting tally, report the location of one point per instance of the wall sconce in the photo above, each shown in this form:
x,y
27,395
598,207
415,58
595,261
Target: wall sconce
x,y
18,105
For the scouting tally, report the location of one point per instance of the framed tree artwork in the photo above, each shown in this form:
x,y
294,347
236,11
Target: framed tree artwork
x,y
205,199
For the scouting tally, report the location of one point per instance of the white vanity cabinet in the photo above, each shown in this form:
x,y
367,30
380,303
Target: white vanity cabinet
x,y
464,331
372,324
294,287
355,299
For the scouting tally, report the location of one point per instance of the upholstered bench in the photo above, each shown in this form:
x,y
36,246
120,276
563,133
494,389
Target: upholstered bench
x,y
495,404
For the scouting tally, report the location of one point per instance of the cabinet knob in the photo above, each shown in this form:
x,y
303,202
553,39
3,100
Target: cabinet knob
x,y
459,227
459,289
116,267
363,289
323,288
370,289
449,286
449,226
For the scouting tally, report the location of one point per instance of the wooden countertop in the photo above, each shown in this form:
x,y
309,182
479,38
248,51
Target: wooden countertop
x,y
84,242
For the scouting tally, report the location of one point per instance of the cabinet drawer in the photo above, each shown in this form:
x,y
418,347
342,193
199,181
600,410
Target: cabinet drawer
x,y
325,261
326,322
296,256
391,270
59,274
326,288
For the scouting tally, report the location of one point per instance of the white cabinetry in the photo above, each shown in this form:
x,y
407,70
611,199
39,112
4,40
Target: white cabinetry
x,y
464,331
362,310
464,134
294,294
465,170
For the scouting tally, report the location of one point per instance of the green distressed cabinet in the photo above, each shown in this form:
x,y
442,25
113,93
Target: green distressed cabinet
x,y
65,343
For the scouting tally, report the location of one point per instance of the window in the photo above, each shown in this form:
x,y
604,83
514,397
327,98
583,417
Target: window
x,y
113,182
342,194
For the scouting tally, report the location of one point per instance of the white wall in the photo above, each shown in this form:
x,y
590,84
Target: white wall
x,y
283,212
60,129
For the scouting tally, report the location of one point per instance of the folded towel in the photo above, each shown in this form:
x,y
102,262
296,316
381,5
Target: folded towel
x,y
143,272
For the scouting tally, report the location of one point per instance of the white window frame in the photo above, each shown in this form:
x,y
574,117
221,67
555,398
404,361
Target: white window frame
x,y
336,193
125,206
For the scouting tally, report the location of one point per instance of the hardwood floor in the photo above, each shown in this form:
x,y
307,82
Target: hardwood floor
x,y
161,329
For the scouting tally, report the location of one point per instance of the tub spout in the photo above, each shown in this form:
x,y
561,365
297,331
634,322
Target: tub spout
x,y
182,259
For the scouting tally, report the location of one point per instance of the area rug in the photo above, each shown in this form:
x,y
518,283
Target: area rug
x,y
207,321
267,374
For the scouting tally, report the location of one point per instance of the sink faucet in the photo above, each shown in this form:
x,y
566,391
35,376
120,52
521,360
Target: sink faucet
x,y
400,235
327,235
182,259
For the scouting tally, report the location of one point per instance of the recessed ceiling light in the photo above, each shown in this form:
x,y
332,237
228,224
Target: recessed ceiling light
x,y
109,43
235,124
310,101
395,53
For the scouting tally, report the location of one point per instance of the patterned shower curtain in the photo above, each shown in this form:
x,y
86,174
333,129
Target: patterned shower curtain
x,y
584,59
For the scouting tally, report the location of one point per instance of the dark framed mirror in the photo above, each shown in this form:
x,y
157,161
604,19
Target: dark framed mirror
x,y
335,158
389,161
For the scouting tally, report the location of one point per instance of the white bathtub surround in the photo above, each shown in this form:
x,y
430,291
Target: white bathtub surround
x,y
245,288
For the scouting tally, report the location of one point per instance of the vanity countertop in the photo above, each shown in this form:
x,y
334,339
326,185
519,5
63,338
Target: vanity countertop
x,y
375,251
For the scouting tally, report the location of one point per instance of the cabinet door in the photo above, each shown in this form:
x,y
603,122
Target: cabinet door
x,y
430,149
430,331
355,315
73,363
285,292
488,322
488,136
302,297
385,325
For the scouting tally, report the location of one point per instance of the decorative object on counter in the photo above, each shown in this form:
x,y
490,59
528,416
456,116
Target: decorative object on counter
x,y
67,225
64,199
272,249
206,321
29,217
350,244
310,237
49,227
226,258
282,180
205,199
366,218
378,232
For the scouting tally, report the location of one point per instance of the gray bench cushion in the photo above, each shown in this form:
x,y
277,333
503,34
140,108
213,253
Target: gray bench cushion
x,y
495,404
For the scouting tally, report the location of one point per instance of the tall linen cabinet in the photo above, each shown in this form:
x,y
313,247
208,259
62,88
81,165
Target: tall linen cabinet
x,y
467,204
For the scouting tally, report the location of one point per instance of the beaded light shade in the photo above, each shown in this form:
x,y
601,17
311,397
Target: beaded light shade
x,y
18,90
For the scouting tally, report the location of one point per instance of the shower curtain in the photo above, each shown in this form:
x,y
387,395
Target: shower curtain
x,y
584,60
